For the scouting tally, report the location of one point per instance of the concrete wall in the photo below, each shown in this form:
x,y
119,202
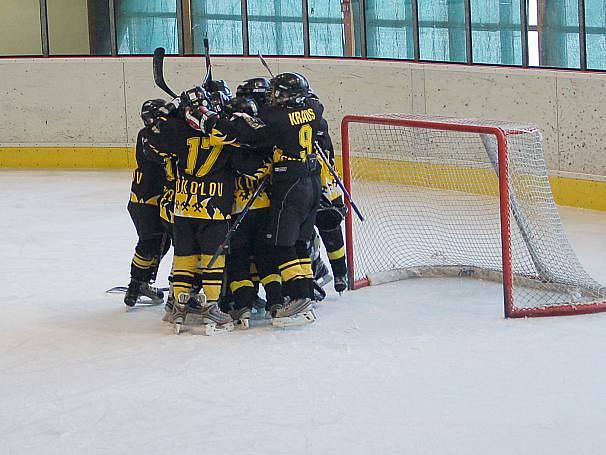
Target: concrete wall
x,y
83,102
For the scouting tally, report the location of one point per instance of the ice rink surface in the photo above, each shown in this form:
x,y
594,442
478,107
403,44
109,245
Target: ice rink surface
x,y
416,367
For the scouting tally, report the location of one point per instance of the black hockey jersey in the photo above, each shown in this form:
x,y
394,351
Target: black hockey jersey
x,y
205,182
148,177
247,184
167,201
291,130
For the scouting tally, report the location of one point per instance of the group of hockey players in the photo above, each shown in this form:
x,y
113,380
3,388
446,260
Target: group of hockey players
x,y
241,186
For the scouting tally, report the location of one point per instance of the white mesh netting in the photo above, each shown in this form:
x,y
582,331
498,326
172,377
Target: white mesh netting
x,y
431,202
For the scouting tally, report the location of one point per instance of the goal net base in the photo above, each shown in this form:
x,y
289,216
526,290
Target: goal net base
x,y
580,301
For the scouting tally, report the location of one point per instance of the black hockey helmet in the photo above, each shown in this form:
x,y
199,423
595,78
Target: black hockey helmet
x,y
312,95
243,104
221,86
257,88
149,110
218,101
289,89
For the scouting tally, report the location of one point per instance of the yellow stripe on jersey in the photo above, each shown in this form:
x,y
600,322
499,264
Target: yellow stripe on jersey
x,y
151,201
330,188
218,138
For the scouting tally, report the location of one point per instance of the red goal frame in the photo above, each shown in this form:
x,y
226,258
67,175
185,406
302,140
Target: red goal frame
x,y
501,135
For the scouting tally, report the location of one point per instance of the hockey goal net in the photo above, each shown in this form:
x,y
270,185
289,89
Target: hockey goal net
x,y
447,197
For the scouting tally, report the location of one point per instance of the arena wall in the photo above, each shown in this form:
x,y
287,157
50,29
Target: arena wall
x,y
20,28
83,112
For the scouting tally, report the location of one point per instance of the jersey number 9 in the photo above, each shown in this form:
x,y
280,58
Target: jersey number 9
x,y
306,136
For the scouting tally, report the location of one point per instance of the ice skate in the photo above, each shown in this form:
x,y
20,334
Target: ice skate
x,y
153,293
294,313
319,293
259,303
271,310
132,293
241,317
179,312
168,309
226,305
321,274
137,289
340,284
258,309
209,315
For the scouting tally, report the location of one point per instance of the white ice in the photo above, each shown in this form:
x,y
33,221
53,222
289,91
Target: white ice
x,y
415,367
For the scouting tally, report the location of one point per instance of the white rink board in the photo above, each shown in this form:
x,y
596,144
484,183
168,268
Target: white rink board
x,y
82,102
416,367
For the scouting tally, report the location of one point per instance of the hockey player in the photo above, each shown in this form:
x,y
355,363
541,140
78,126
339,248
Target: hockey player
x,y
218,93
248,241
290,123
259,89
331,214
167,210
143,208
203,202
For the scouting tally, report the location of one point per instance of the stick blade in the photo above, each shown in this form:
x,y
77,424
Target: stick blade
x,y
158,68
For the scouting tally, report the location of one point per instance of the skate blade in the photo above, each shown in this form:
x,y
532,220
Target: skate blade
x,y
242,324
213,329
143,304
123,289
323,281
178,326
258,315
319,298
306,317
150,301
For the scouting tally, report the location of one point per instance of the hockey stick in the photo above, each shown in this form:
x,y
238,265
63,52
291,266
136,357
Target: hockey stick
x,y
158,67
159,257
209,66
225,278
123,289
264,63
237,223
339,182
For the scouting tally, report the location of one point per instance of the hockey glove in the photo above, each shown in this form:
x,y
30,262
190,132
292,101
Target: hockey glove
x,y
201,118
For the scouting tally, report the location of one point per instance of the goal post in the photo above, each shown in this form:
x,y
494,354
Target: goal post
x,y
446,197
